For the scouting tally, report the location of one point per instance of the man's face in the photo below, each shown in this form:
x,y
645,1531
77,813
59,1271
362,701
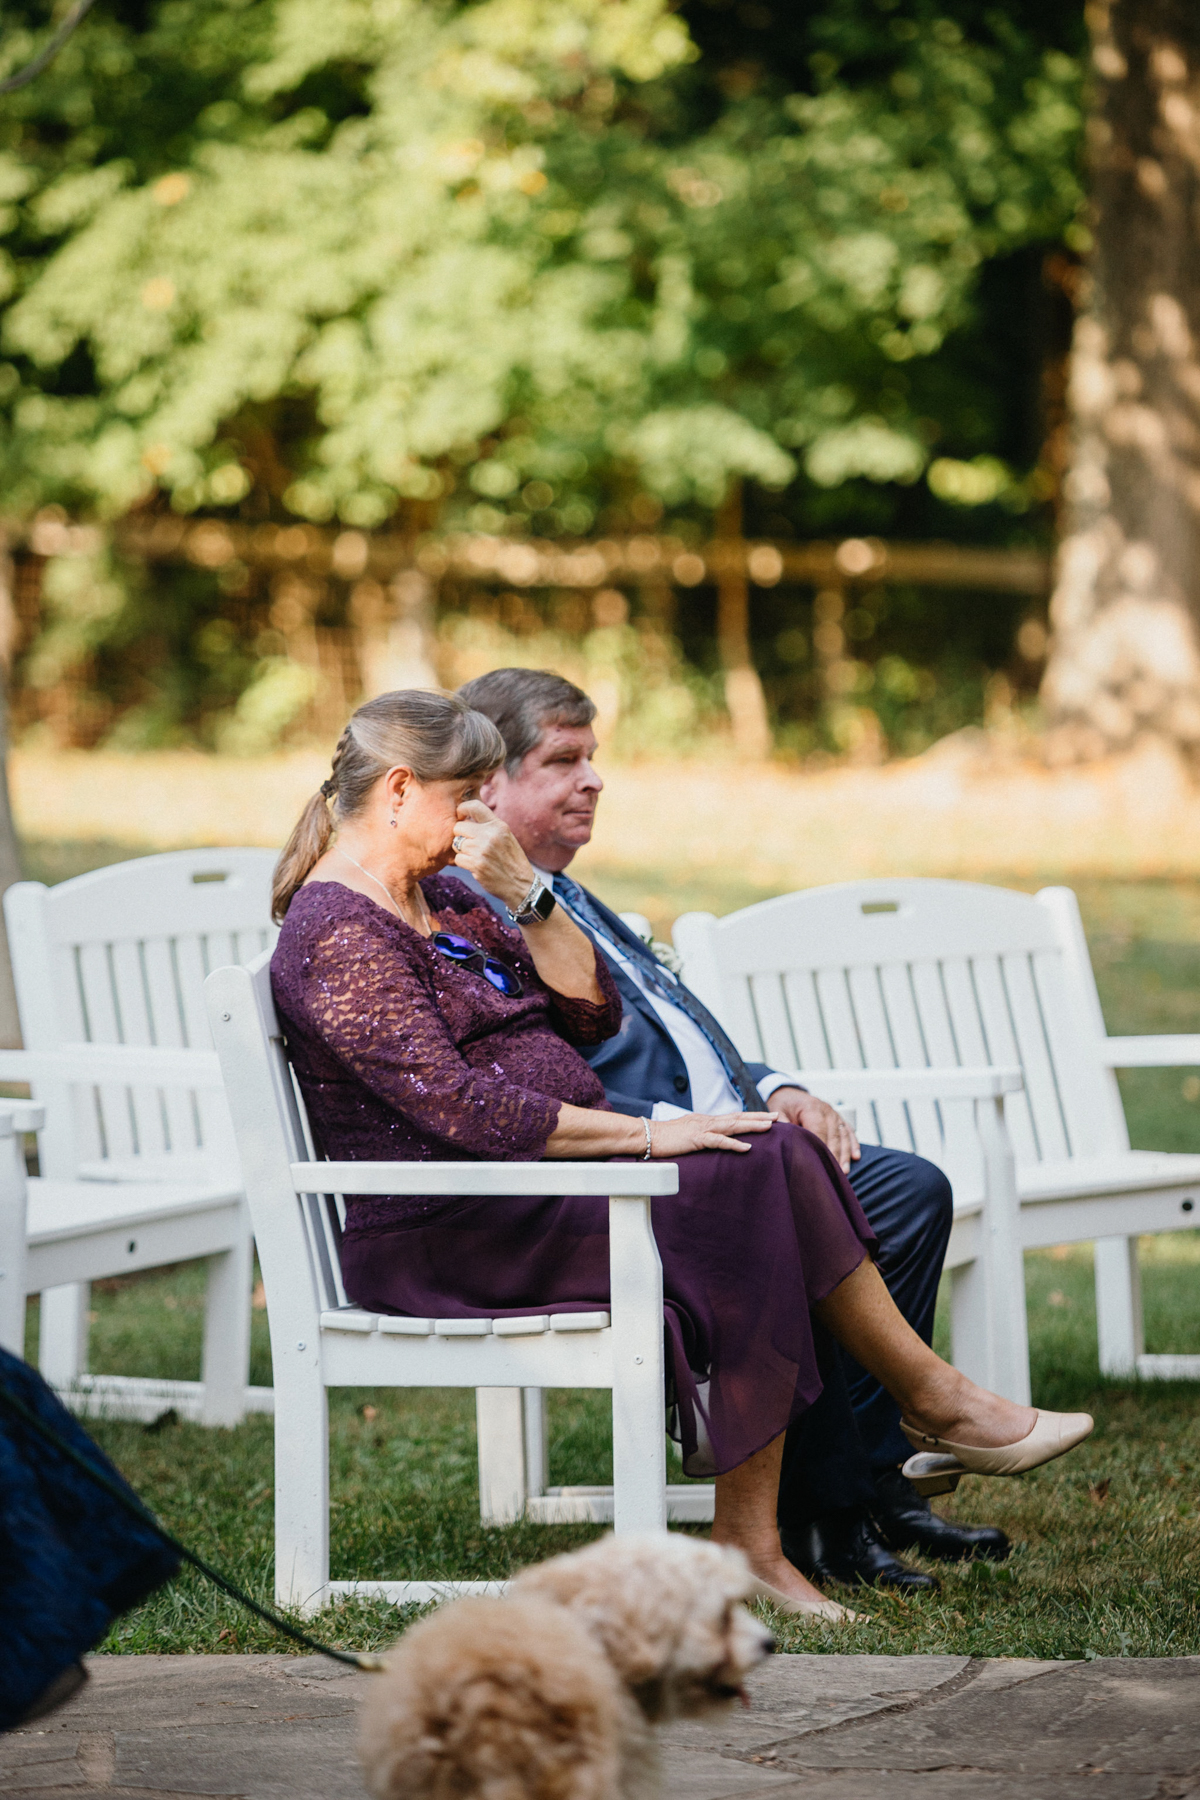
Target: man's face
x,y
550,803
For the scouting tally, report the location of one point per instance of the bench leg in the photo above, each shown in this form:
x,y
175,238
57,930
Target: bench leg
x,y
500,1432
13,1241
1118,1305
1002,1261
510,1429
537,1443
639,1373
969,1347
225,1368
63,1334
301,1482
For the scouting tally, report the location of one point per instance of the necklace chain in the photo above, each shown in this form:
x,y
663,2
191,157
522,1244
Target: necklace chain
x,y
379,884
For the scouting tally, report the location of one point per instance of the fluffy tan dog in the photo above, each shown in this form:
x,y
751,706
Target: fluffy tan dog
x,y
550,1693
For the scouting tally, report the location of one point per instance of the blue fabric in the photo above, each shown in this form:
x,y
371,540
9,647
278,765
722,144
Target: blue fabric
x,y
599,922
641,1064
71,1558
852,1432
911,1208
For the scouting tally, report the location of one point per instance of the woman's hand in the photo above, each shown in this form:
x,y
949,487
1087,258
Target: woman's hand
x,y
492,854
587,1131
705,1131
563,956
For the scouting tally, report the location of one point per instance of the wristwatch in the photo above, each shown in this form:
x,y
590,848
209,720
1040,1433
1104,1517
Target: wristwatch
x,y
537,905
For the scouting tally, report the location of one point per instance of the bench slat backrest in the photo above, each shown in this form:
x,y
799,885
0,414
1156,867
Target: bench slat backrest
x,y
297,1236
120,956
919,973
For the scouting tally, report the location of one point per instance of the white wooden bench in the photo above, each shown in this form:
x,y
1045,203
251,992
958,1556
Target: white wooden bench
x,y
16,1118
989,1321
319,1340
923,975
109,970
51,1230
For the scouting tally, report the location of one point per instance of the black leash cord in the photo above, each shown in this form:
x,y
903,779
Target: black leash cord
x,y
32,70
363,1660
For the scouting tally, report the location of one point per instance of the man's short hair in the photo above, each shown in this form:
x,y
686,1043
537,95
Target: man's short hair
x,y
522,703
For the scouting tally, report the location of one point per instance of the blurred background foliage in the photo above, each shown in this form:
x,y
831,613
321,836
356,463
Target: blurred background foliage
x,y
562,268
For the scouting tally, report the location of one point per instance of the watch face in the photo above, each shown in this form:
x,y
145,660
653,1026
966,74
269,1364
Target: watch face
x,y
544,904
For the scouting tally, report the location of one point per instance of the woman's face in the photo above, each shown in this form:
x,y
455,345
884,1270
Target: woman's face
x,y
426,814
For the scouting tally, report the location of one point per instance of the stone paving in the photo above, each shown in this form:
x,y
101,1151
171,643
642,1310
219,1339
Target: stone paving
x,y
821,1727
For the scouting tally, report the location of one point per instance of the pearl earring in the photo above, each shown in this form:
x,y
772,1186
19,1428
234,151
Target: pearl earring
x,y
393,821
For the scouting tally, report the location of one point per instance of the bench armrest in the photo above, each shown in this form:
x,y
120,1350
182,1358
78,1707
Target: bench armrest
x,y
1173,1052
20,1115
861,1086
129,1065
612,1180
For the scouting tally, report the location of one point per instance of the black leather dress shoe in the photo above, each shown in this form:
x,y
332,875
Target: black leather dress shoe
x,y
843,1546
906,1521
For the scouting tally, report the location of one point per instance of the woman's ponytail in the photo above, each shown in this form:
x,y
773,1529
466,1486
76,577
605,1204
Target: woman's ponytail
x,y
306,846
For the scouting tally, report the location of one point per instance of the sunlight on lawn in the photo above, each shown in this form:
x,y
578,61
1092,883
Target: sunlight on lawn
x,y
725,826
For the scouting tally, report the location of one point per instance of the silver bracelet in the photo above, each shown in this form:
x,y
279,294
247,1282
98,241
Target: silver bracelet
x,y
649,1140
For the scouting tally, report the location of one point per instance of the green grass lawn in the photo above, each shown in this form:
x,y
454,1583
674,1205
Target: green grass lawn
x,y
1107,1542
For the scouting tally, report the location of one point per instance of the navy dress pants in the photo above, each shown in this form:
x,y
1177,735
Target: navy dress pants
x,y
832,1453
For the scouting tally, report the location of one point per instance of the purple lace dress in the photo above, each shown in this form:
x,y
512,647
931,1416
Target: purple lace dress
x,y
404,1056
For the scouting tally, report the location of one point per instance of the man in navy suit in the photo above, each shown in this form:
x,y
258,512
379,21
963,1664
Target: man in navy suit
x,y
844,1507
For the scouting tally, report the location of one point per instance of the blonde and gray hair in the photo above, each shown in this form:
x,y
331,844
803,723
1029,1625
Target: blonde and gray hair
x,y
437,736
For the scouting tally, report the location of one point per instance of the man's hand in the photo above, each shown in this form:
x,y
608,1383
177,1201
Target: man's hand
x,y
817,1116
491,853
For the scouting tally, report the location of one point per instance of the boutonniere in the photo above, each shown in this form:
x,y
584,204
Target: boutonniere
x,y
667,955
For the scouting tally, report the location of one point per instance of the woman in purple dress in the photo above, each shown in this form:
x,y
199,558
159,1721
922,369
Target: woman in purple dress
x,y
423,1029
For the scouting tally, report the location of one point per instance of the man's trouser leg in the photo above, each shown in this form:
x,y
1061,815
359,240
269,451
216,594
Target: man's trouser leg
x,y
911,1209
825,1462
832,1453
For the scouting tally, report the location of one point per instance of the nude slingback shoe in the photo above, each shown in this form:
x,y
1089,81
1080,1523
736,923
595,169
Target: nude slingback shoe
x,y
1053,1435
827,1610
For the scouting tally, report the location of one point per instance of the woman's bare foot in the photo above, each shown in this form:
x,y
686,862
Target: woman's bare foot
x,y
744,1517
777,1572
954,1408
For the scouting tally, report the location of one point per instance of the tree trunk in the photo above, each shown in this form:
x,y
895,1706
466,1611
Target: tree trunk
x,y
1125,656
744,696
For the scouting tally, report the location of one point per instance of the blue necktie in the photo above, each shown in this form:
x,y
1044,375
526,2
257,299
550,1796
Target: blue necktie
x,y
650,969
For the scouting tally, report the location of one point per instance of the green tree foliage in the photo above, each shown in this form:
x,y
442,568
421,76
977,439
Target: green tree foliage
x,y
354,253
535,265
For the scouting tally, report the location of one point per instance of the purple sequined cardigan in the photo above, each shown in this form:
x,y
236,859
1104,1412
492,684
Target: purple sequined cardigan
x,y
404,1056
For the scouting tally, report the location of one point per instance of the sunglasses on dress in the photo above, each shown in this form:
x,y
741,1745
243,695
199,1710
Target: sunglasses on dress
x,y
467,955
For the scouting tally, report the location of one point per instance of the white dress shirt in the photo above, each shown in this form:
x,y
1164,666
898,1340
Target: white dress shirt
x,y
712,1090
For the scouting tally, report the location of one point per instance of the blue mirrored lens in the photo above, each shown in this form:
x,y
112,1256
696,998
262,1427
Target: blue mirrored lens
x,y
501,978
456,947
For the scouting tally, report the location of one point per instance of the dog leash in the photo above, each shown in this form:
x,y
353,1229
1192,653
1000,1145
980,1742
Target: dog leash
x,y
365,1661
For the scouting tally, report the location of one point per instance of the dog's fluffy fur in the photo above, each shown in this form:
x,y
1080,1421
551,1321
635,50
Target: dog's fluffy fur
x,y
549,1693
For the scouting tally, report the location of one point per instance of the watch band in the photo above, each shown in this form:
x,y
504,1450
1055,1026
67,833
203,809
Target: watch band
x,y
537,905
